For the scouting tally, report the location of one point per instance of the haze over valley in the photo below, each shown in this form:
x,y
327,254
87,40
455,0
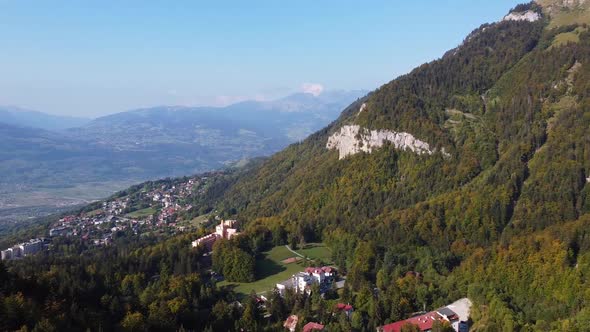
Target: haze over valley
x,y
54,161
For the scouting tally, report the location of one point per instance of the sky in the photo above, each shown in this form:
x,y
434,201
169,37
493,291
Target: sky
x,y
91,58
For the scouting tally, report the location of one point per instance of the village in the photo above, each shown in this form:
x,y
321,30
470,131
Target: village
x,y
160,208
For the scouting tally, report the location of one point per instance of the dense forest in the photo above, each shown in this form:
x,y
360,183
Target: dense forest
x,y
503,219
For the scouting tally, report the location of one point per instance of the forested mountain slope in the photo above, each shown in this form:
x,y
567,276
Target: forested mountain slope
x,y
507,121
469,176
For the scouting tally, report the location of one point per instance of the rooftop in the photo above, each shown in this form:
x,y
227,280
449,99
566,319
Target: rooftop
x,y
424,322
311,326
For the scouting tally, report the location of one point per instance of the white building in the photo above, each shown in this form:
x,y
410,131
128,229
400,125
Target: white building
x,y
6,254
31,247
299,282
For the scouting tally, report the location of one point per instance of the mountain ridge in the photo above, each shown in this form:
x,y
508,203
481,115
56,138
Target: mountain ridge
x,y
28,118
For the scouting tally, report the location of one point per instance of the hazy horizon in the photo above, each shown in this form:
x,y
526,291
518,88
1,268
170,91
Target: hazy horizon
x,y
204,106
89,60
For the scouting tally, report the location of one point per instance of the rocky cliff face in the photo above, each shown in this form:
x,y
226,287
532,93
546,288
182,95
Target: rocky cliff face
x,y
352,139
529,15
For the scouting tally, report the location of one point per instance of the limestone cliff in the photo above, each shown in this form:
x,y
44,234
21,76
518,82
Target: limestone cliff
x,y
352,139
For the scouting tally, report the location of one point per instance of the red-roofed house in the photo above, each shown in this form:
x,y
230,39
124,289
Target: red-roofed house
x,y
344,307
456,314
424,322
347,308
311,326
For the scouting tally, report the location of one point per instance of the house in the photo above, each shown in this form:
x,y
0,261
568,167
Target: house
x,y
311,326
291,323
346,308
424,323
457,314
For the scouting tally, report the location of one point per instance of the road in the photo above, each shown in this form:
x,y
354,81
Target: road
x,y
296,253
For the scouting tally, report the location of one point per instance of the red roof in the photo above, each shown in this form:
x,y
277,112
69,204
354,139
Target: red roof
x,y
311,326
424,322
345,307
313,270
318,270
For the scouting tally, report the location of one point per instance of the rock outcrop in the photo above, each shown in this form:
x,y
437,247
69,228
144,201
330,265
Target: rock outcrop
x,y
529,15
352,139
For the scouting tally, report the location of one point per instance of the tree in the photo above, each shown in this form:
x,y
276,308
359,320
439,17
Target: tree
x,y
439,326
410,328
133,322
277,307
251,315
363,264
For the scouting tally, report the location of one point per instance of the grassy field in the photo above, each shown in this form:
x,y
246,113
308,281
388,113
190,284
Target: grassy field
x,y
141,213
568,37
316,251
270,269
197,221
568,17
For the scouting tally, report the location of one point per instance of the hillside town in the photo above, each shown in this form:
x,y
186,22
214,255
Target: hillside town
x,y
161,206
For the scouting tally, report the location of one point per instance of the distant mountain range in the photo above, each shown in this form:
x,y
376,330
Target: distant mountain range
x,y
39,151
28,118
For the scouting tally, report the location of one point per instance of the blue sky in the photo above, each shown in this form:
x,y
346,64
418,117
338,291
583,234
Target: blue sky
x,y
92,58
